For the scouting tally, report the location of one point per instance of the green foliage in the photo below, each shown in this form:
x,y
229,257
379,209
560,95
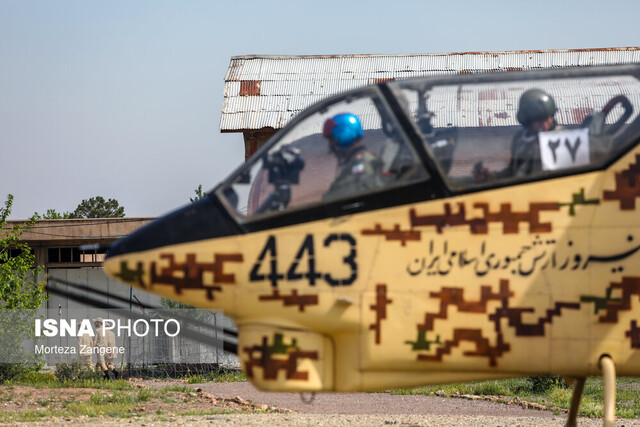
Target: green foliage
x,y
111,402
74,371
219,376
193,313
17,371
53,214
98,207
226,376
95,207
87,379
544,384
19,288
551,392
199,194
174,305
20,291
34,377
195,379
118,396
494,388
180,388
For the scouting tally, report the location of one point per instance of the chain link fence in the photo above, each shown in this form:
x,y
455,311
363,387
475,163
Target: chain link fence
x,y
151,343
206,340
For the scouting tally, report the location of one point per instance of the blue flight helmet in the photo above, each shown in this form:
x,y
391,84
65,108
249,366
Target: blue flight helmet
x,y
343,129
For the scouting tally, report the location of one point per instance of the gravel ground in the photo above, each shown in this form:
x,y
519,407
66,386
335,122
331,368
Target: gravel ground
x,y
388,420
378,409
348,419
368,403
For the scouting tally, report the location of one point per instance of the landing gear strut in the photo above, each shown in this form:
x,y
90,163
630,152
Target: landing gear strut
x,y
578,388
609,407
609,377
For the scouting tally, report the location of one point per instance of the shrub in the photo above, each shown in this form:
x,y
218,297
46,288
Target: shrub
x,y
11,371
75,371
543,384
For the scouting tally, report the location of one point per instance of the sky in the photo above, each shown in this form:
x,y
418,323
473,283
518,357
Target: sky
x,y
122,99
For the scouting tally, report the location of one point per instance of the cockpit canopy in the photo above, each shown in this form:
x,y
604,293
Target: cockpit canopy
x,y
453,135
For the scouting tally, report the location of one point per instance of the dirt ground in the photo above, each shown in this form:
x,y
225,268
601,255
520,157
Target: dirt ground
x,y
17,399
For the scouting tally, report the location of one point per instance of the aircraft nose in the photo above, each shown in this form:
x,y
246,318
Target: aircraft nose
x,y
204,219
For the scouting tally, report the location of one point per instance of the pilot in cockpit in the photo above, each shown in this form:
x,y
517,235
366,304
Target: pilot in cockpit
x,y
358,169
536,111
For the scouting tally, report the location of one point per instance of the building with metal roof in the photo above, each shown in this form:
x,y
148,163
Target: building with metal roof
x,y
262,93
71,252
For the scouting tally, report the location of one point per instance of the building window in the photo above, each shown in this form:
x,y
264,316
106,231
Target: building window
x,y
13,252
74,255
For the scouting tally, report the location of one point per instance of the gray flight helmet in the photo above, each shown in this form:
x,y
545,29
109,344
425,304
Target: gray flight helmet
x,y
535,104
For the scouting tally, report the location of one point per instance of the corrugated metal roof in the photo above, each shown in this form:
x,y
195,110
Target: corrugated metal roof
x,y
289,84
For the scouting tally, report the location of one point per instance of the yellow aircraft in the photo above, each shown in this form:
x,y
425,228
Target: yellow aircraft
x,y
424,231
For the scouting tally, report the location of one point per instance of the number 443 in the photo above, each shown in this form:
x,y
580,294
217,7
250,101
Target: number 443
x,y
342,245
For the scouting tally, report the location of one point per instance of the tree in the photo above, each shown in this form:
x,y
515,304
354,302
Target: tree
x,y
98,207
21,294
19,288
53,214
199,194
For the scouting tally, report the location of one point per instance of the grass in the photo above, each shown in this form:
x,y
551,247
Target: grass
x,y
182,388
221,376
199,412
123,398
120,404
555,394
48,380
113,399
45,380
